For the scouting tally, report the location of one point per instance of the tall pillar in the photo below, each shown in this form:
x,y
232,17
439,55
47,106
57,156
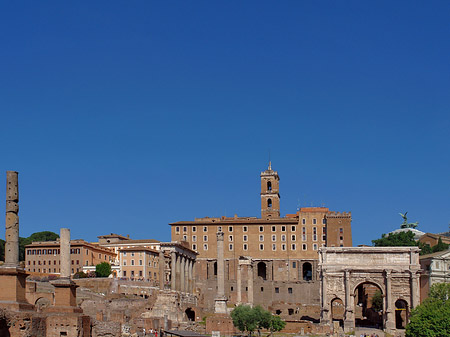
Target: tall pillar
x,y
325,314
238,284
178,273
173,272
250,284
220,301
390,311
349,323
190,262
415,294
12,276
64,243
12,219
162,271
183,274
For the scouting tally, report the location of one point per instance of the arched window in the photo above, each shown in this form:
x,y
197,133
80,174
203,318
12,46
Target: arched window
x,y
307,271
262,270
269,203
269,186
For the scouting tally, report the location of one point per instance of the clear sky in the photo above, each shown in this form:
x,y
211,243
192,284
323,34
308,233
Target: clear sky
x,y
125,116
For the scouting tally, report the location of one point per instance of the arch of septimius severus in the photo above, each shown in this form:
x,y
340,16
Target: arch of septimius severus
x,y
345,271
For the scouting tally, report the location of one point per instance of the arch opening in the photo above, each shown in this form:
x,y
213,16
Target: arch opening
x,y
307,271
269,186
369,305
262,270
42,303
190,314
401,314
4,329
337,311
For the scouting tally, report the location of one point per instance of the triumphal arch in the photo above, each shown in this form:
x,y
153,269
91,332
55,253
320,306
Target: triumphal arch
x,y
368,286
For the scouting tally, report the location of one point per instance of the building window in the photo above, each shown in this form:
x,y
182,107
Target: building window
x,y
184,229
304,246
245,228
277,290
205,228
140,262
294,246
303,221
283,228
184,237
124,273
314,233
269,186
205,246
132,262
283,246
315,246
219,229
140,273
289,290
274,238
293,238
132,273
194,238
261,228
341,230
261,246
124,253
194,229
261,238
294,264
230,228
230,238
177,229
341,238
293,229
230,246
132,254
245,238
274,229
269,203
194,247
283,238
245,246
324,221
274,246
205,238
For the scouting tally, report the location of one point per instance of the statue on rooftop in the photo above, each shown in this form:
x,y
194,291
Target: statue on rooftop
x,y
405,223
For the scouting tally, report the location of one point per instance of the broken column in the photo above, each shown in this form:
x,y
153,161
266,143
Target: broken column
x,y
12,277
65,288
220,306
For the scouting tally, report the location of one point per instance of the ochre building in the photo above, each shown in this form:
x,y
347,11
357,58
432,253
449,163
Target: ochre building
x,y
271,260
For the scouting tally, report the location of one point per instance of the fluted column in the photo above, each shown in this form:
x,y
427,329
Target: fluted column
x,y
183,274
390,311
190,276
12,219
220,266
173,271
238,284
162,268
250,284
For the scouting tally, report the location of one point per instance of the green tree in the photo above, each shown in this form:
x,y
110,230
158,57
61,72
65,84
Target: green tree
x,y
432,317
103,269
440,246
377,301
248,319
400,239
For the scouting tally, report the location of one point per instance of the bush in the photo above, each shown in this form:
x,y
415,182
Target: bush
x,y
103,269
80,274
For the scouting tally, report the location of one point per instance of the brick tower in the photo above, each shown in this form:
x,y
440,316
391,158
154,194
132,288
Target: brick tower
x,y
270,196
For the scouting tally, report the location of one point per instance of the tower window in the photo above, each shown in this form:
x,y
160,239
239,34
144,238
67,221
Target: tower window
x,y
184,229
304,221
269,203
274,229
205,229
261,228
269,186
205,246
314,221
245,229
230,228
194,247
230,246
194,238
274,238
261,246
274,246
283,228
194,229
293,229
230,238
245,238
245,246
294,247
261,238
177,229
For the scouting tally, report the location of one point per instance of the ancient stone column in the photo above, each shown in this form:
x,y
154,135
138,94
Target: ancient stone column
x,y
64,242
173,273
161,269
220,266
220,306
325,315
190,263
349,323
415,295
183,274
390,312
238,284
12,219
178,273
250,284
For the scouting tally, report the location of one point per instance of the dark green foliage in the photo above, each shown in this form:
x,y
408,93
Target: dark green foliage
x,y
103,269
35,237
401,239
377,301
425,248
432,317
80,274
440,246
248,319
2,250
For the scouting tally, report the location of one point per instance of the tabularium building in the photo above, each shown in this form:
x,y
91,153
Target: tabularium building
x,y
271,260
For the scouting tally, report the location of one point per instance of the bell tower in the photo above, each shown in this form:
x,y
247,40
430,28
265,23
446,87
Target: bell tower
x,y
270,196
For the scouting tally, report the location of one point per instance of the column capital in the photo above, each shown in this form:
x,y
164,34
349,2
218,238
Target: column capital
x,y
220,236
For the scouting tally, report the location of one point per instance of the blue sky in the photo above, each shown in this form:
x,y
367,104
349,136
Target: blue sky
x,y
125,116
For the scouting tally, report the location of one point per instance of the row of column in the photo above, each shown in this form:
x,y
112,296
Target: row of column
x,y
249,283
182,271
